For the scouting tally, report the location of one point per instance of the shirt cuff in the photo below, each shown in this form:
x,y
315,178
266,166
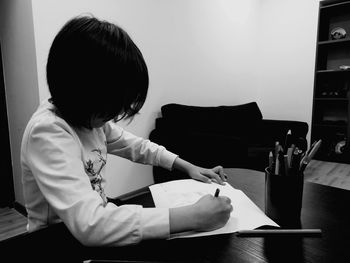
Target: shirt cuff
x,y
155,223
167,159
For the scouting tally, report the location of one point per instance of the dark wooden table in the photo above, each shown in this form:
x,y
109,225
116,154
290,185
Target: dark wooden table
x,y
323,207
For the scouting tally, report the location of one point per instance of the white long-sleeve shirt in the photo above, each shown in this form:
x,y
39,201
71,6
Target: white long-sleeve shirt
x,y
63,180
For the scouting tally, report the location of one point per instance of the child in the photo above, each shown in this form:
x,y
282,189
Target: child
x,y
96,77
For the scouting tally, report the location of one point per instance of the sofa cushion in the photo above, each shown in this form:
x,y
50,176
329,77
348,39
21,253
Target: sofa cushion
x,y
238,120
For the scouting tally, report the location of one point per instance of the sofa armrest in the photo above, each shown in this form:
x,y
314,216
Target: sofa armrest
x,y
276,130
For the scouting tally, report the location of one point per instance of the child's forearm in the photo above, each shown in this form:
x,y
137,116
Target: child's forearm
x,y
182,165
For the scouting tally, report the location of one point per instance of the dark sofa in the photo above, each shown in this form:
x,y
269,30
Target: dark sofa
x,y
231,136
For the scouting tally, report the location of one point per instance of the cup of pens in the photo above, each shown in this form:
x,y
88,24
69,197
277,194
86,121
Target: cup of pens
x,y
284,183
283,197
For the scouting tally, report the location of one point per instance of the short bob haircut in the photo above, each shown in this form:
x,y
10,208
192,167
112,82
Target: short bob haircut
x,y
95,70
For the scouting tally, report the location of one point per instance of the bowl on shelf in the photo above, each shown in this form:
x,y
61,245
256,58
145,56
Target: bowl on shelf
x,y
338,33
344,67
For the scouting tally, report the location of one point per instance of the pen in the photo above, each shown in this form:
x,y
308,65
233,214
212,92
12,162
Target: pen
x,y
289,155
304,158
287,141
273,232
217,192
270,160
277,165
277,144
312,146
314,150
281,168
303,166
295,162
286,164
308,157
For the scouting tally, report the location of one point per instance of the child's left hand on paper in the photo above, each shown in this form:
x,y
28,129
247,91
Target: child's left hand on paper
x,y
206,175
215,174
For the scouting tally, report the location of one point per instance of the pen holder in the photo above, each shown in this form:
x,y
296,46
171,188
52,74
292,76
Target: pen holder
x,y
283,198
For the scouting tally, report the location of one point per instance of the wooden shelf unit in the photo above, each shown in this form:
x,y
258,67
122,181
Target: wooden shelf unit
x,y
331,107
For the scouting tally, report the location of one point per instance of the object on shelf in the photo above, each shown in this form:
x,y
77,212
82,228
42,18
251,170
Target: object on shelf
x,y
334,93
344,67
338,33
339,147
330,94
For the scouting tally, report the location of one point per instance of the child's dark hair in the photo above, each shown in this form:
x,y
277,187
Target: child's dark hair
x,y
94,69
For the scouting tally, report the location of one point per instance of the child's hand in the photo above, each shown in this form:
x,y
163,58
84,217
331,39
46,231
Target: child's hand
x,y
208,213
212,212
215,174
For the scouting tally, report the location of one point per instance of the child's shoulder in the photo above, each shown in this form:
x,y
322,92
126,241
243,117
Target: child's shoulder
x,y
46,129
45,118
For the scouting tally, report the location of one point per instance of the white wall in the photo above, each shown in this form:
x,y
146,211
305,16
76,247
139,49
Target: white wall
x,y
286,62
200,52
20,75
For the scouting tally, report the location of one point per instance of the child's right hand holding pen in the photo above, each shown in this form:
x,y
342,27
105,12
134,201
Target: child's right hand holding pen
x,y
208,213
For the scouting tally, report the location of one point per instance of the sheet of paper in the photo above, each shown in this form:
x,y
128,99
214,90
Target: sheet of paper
x,y
245,215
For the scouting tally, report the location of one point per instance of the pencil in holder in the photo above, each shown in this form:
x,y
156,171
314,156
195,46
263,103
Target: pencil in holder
x,y
283,198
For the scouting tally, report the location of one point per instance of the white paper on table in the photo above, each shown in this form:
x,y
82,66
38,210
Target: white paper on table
x,y
245,215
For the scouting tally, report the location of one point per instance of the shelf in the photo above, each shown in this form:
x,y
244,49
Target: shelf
x,y
331,99
332,57
328,71
326,5
334,42
331,107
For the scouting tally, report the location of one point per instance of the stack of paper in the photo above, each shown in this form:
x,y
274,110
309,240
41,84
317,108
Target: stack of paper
x,y
245,215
